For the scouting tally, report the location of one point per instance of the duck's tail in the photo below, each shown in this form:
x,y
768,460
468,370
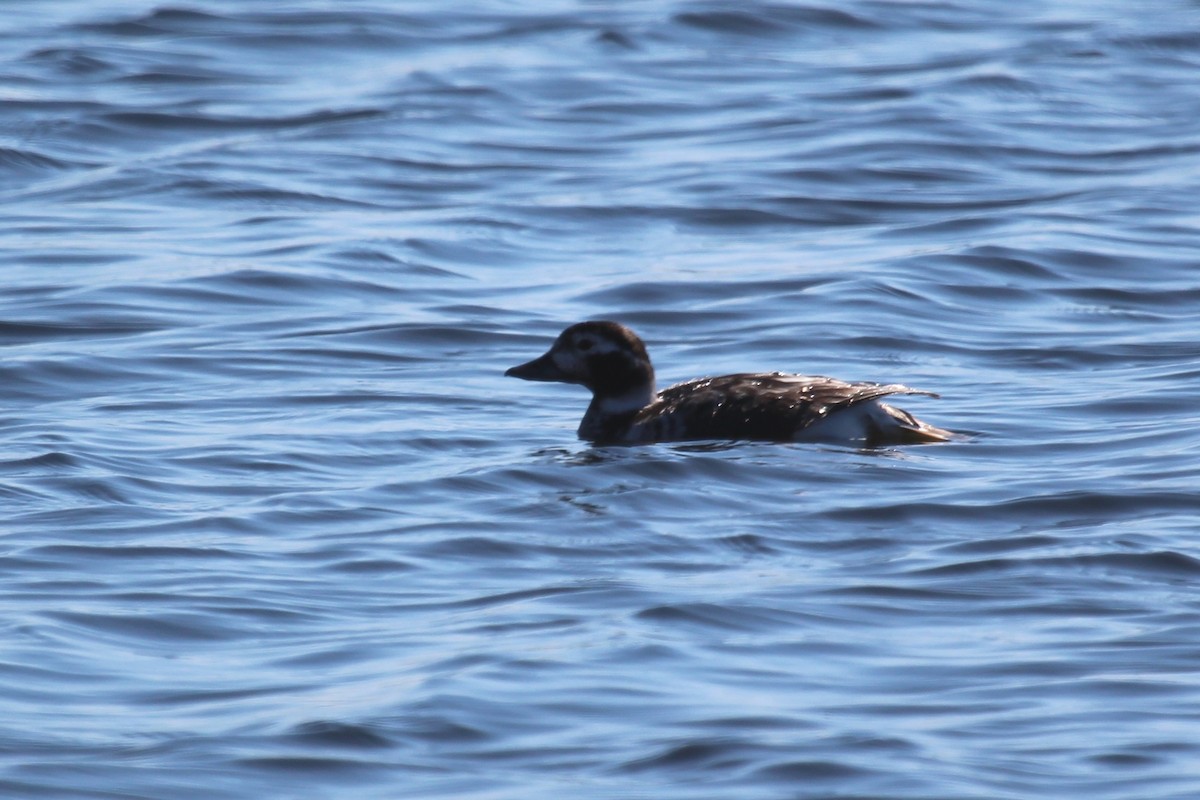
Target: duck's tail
x,y
901,427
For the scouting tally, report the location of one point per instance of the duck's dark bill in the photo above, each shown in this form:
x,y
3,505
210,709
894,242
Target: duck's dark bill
x,y
540,369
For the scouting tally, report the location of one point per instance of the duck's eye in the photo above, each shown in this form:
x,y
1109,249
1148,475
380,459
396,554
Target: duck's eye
x,y
584,344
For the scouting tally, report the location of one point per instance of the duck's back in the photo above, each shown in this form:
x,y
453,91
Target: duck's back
x,y
775,407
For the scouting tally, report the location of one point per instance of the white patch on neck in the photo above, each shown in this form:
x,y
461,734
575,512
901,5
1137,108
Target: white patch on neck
x,y
632,400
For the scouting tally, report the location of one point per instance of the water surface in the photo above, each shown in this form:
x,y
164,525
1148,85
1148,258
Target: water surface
x,y
276,525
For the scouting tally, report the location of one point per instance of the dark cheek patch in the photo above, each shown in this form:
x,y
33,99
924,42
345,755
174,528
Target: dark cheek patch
x,y
614,373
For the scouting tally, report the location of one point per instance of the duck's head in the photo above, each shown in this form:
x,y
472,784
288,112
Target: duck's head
x,y
606,357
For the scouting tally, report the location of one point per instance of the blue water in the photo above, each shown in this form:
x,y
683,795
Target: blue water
x,y
275,525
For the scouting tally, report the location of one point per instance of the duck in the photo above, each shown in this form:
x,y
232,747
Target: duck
x,y
611,361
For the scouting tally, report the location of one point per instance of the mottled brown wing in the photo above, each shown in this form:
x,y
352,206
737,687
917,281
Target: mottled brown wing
x,y
755,406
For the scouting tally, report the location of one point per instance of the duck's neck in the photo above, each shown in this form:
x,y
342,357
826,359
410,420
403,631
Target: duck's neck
x,y
608,414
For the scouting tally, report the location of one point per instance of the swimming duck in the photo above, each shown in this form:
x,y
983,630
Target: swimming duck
x,y
611,361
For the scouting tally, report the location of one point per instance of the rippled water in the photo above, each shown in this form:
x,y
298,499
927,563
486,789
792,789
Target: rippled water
x,y
275,525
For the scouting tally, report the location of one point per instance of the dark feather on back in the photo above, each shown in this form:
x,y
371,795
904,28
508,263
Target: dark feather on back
x,y
771,407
